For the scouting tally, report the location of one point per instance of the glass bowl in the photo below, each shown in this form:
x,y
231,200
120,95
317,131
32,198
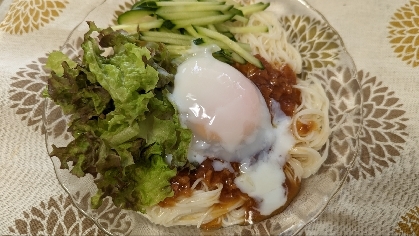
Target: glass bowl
x,y
324,57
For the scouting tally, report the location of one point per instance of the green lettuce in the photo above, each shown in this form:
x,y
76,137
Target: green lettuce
x,y
55,60
122,121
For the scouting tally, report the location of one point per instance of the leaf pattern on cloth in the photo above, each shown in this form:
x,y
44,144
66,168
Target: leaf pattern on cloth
x,y
58,216
344,92
384,131
25,94
409,223
403,31
25,16
317,43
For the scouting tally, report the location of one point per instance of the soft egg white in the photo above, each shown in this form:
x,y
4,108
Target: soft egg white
x,y
225,110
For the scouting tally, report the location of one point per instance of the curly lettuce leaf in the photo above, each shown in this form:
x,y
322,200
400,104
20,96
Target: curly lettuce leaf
x,y
77,95
55,60
123,124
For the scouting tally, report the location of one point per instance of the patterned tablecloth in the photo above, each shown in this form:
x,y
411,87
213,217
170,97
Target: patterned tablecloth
x,y
380,196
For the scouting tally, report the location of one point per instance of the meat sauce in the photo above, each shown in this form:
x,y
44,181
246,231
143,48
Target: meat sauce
x,y
277,83
230,193
274,83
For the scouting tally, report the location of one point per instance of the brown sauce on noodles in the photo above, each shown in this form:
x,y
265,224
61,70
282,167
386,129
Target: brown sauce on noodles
x,y
230,193
275,83
305,128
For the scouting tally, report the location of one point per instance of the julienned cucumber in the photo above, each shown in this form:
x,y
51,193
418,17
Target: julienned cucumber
x,y
179,23
201,21
186,9
167,37
249,29
134,16
191,3
144,26
233,45
190,15
250,9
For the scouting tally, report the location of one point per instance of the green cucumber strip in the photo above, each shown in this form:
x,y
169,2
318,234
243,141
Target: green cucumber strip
x,y
235,11
163,29
233,45
186,9
211,27
228,56
132,28
170,35
194,4
198,41
168,25
223,55
249,29
150,25
189,15
177,49
201,21
145,4
222,28
208,41
245,46
166,40
242,19
222,45
192,31
134,17
230,35
236,57
250,9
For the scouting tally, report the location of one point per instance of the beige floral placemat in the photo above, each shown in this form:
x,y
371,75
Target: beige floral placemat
x,y
380,196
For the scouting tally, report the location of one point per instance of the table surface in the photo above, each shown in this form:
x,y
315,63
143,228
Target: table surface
x,y
380,196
